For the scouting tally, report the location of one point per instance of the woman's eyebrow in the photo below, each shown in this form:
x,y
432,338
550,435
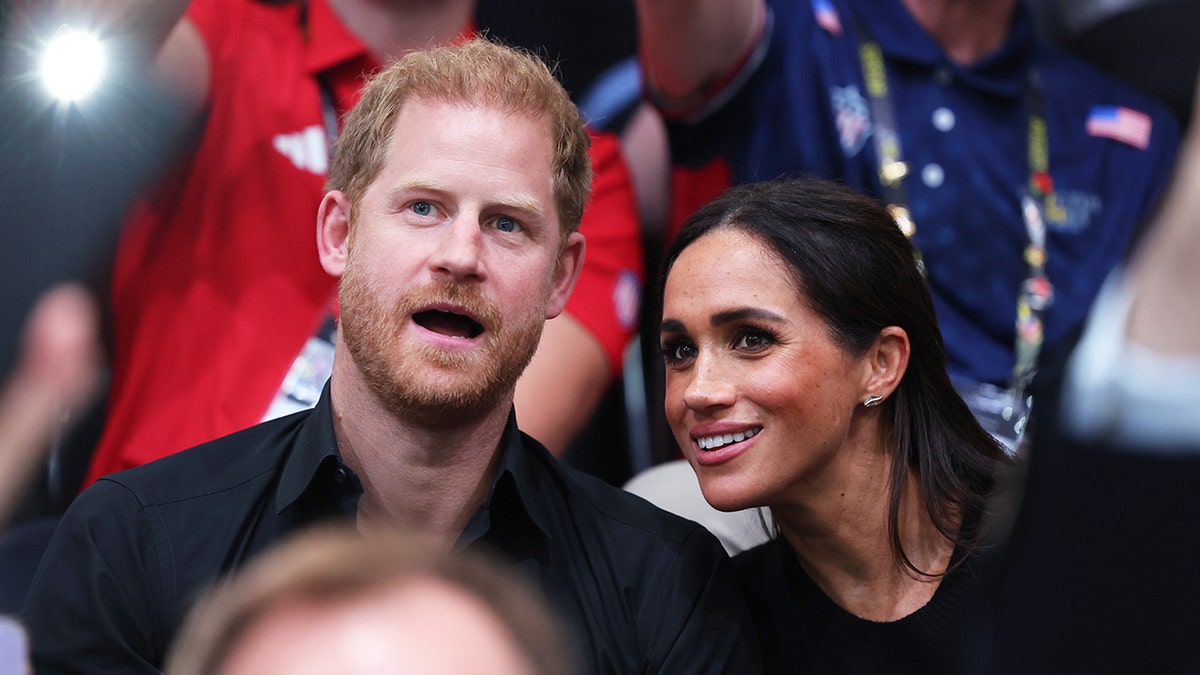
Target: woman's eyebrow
x,y
743,313
671,326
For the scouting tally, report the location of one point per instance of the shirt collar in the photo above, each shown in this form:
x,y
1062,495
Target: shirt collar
x,y
330,43
1004,73
520,465
313,446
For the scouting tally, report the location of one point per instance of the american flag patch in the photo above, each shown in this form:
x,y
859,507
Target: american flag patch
x,y
827,16
1120,124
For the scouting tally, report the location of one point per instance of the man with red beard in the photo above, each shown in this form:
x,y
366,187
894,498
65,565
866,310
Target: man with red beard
x,y
455,194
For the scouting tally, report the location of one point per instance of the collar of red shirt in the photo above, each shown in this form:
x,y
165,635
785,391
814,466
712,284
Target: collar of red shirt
x,y
331,44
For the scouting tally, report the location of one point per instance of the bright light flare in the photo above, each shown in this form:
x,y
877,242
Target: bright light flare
x,y
73,65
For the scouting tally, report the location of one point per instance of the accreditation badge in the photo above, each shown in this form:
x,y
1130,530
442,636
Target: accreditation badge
x,y
302,386
1003,412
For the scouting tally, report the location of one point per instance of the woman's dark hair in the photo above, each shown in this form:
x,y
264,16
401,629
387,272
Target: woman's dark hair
x,y
852,266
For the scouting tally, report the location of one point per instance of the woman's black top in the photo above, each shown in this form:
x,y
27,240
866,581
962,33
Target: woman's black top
x,y
803,631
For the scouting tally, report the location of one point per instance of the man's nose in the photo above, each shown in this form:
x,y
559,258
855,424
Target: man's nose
x,y
460,248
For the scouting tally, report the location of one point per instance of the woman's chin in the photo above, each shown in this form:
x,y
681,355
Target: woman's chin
x,y
727,495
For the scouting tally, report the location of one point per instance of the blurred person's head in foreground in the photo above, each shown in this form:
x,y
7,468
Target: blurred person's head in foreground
x,y
332,600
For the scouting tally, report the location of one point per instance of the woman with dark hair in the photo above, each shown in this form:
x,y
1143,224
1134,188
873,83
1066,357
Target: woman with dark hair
x,y
805,373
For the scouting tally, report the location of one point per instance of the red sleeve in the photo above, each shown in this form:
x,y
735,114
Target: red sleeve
x,y
692,188
608,294
216,21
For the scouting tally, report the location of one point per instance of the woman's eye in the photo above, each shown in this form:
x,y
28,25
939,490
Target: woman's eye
x,y
753,340
422,208
506,224
678,351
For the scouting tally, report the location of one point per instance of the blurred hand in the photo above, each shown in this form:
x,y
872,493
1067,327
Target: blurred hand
x,y
57,373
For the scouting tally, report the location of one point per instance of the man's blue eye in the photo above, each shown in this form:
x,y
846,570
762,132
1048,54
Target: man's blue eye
x,y
506,224
422,208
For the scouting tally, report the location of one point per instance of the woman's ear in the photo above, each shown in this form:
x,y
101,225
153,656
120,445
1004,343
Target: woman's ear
x,y
333,232
887,361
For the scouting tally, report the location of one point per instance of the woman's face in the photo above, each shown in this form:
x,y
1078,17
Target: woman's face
x,y
759,396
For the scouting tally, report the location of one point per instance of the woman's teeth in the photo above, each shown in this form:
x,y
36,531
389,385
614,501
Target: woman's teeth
x,y
714,442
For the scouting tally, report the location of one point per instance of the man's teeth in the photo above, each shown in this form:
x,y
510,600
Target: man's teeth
x,y
714,442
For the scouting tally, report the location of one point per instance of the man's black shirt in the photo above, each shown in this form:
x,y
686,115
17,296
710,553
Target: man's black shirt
x,y
645,591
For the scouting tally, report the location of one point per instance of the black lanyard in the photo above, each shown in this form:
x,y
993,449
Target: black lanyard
x,y
328,99
1038,202
301,386
328,114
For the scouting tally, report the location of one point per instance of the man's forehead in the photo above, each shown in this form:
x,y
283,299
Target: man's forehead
x,y
436,106
422,126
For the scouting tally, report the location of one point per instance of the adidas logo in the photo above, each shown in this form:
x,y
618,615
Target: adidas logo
x,y
306,149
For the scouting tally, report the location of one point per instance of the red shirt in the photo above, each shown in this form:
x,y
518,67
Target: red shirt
x,y
217,284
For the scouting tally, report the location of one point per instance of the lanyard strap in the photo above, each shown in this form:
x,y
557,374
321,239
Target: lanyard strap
x,y
892,167
328,99
328,114
1036,293
1037,204
302,385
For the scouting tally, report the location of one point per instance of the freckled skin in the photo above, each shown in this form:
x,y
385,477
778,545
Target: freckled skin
x,y
777,368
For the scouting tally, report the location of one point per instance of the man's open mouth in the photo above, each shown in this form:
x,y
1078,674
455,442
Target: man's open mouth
x,y
448,323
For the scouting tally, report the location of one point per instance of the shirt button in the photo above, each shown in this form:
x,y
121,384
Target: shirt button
x,y
943,77
943,119
341,474
933,175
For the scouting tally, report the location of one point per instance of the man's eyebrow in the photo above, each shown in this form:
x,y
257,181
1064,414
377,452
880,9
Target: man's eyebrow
x,y
519,201
416,185
743,313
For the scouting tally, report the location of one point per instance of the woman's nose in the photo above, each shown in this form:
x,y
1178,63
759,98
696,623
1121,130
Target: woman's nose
x,y
709,387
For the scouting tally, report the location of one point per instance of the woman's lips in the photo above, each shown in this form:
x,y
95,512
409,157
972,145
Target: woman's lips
x,y
718,446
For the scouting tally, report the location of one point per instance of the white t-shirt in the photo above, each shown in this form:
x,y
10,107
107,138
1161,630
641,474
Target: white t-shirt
x,y
1125,394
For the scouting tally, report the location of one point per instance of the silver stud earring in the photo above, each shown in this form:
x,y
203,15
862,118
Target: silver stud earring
x,y
872,401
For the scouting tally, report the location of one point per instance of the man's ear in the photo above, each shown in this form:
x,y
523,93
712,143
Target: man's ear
x,y
887,361
570,261
333,232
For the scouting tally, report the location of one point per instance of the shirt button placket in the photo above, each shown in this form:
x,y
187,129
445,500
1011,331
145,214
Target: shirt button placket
x,y
932,174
